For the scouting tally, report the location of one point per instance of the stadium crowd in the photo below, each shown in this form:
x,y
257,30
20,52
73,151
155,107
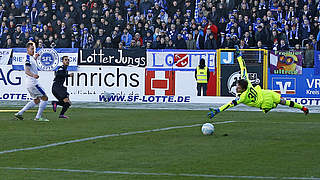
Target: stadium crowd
x,y
160,24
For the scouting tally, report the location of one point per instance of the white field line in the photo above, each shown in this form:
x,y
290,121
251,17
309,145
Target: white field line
x,y
104,136
159,174
279,122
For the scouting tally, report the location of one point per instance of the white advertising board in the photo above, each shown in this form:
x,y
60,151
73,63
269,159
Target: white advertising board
x,y
125,84
88,83
5,56
183,60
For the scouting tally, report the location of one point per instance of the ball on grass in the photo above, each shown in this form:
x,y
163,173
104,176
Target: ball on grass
x,y
207,129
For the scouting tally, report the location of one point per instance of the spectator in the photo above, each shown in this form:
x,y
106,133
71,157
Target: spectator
x,y
86,39
116,37
173,7
133,44
170,45
137,38
274,36
98,44
126,38
221,39
305,29
145,5
308,60
156,43
297,47
61,13
68,20
228,43
213,28
180,43
64,42
210,43
101,36
149,45
283,46
213,15
41,44
235,39
260,45
147,38
75,43
249,40
163,16
13,10
243,44
261,35
108,43
162,44
199,39
275,45
9,44
34,16
190,42
245,24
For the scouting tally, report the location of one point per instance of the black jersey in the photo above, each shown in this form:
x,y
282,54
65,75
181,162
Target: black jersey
x,y
60,76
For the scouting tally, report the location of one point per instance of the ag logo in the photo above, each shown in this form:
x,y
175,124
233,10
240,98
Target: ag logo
x,y
234,77
48,59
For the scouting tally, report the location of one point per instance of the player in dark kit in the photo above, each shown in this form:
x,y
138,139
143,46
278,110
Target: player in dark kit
x,y
59,91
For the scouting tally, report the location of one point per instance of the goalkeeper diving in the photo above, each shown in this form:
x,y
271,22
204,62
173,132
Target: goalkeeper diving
x,y
254,96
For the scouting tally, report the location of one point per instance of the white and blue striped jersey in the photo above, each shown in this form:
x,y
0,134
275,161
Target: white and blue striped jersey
x,y
31,62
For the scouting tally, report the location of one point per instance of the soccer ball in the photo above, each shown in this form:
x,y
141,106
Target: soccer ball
x,y
207,129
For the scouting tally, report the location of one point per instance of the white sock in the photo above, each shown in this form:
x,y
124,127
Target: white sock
x,y
42,106
29,105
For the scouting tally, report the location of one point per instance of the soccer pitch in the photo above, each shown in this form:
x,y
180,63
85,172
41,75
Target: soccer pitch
x,y
160,144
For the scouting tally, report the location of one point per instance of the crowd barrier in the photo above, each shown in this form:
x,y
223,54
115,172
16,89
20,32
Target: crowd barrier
x,y
162,76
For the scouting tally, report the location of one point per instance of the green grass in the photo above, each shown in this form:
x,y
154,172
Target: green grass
x,y
273,144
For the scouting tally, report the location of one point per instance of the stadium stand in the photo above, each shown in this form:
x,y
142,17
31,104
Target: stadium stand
x,y
160,24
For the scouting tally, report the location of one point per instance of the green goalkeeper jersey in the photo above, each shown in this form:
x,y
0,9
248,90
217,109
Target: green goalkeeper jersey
x,y
252,96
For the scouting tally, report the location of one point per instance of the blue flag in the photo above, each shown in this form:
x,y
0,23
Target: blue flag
x,y
196,11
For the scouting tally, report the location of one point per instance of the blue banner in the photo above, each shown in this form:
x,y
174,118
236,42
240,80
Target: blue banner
x,y
317,62
305,85
48,60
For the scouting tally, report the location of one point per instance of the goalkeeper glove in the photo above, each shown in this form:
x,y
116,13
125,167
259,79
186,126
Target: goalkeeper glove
x,y
213,112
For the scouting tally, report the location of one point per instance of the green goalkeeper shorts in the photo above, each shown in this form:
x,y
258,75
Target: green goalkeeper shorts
x,y
270,100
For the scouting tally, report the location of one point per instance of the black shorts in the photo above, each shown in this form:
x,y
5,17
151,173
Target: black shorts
x,y
60,92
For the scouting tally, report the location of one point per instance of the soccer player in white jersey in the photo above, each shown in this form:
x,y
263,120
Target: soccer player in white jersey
x,y
33,87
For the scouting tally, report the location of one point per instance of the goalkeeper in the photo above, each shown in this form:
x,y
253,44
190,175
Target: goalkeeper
x,y
254,96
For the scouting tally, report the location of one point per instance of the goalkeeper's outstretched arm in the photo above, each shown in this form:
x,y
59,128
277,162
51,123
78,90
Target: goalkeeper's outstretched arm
x,y
242,64
243,68
224,107
244,75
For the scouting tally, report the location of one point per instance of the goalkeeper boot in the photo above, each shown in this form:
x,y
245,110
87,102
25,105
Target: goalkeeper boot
x,y
305,110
